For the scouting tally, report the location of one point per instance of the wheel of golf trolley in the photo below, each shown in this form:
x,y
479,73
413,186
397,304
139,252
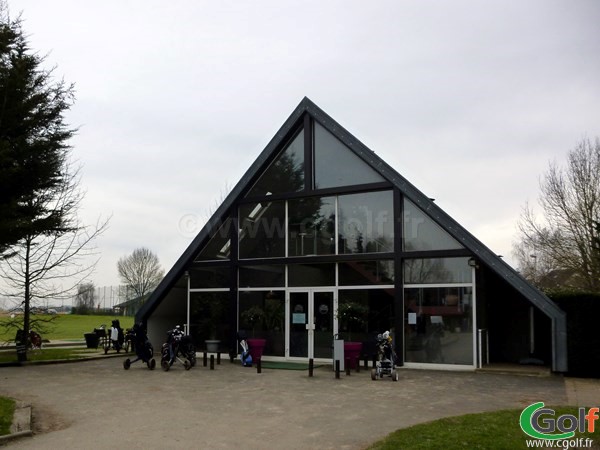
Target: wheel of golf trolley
x,y
151,364
187,365
165,365
127,364
192,361
394,375
373,374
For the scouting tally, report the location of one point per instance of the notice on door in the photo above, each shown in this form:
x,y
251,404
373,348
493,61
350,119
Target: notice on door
x,y
299,318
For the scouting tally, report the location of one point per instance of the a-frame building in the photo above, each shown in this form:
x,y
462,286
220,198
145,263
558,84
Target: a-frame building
x,y
321,238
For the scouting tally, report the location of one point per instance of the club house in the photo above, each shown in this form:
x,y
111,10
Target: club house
x,y
322,239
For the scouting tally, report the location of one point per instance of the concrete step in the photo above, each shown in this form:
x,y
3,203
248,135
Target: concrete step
x,y
517,369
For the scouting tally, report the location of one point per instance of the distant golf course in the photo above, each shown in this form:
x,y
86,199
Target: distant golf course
x,y
66,326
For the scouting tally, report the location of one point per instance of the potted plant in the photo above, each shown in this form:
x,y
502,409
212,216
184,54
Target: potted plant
x,y
274,324
254,317
351,315
212,310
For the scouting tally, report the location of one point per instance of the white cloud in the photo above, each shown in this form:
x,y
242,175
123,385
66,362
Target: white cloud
x,y
468,100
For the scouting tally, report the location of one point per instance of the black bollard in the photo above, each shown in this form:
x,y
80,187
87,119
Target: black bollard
x,y
358,365
366,362
337,368
218,358
310,367
347,364
258,367
212,362
204,356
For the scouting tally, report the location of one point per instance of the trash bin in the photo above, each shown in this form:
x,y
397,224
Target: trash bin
x,y
100,332
21,344
91,340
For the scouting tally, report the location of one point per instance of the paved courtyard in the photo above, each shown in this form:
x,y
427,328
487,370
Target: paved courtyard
x,y
98,405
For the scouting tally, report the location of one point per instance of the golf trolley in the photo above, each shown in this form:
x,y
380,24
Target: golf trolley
x,y
386,358
176,347
143,347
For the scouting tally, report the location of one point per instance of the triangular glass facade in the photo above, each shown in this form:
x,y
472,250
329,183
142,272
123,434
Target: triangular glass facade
x,y
315,204
422,233
285,174
336,165
219,245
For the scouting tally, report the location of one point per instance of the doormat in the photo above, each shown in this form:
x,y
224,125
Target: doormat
x,y
285,365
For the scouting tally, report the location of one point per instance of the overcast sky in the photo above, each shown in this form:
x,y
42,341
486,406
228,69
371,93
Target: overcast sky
x,y
469,100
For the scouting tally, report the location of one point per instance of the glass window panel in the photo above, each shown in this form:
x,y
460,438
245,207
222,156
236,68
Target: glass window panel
x,y
336,165
363,314
366,222
422,233
219,245
210,277
323,308
262,315
262,276
364,273
297,321
439,325
311,275
285,174
311,226
437,270
262,230
209,316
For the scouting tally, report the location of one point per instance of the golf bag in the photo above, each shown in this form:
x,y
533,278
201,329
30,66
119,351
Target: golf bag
x,y
245,356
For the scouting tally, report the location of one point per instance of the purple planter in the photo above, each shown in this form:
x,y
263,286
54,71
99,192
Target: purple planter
x,y
352,352
256,347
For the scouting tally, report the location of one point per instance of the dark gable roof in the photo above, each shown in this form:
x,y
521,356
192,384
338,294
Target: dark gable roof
x,y
479,250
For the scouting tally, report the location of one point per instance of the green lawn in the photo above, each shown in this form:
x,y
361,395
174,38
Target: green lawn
x,y
495,430
49,354
69,326
7,408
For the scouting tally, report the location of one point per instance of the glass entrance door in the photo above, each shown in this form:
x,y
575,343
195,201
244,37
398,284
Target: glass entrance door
x,y
310,323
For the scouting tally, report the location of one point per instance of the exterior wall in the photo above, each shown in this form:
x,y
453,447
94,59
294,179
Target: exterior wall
x,y
171,311
508,324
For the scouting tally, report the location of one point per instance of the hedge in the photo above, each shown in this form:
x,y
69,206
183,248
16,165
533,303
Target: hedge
x,y
583,336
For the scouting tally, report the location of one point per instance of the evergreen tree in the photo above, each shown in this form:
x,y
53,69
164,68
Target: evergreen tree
x,y
42,242
33,139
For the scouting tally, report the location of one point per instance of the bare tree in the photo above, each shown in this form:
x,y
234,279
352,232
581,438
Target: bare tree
x,y
140,271
564,239
535,265
48,264
85,297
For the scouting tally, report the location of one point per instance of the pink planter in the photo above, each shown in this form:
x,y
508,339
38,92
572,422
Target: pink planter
x,y
256,347
352,352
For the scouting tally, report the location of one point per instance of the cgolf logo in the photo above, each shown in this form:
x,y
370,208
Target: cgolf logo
x,y
540,423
